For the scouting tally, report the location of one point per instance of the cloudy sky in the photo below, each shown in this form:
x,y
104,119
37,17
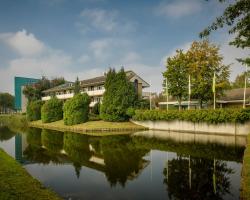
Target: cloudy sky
x,y
85,37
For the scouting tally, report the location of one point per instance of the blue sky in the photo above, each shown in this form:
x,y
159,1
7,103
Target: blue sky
x,y
85,37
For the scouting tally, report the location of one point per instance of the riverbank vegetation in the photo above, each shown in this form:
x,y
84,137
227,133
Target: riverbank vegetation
x,y
34,110
206,115
52,110
15,122
245,181
16,183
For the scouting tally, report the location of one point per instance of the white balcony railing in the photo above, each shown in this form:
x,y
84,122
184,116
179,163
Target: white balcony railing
x,y
96,92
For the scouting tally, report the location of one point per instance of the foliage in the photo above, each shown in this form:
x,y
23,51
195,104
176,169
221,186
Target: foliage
x,y
77,86
240,81
203,61
14,122
119,95
52,110
177,76
6,100
76,110
130,112
142,104
96,109
237,16
34,91
34,110
209,116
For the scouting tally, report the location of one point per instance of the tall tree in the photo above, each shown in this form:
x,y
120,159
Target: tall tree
x,y
203,61
240,81
6,101
118,97
237,16
77,87
177,76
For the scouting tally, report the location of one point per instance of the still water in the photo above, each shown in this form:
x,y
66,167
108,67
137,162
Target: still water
x,y
143,165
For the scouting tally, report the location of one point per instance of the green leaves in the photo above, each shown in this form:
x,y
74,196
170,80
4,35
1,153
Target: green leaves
x,y
34,110
52,110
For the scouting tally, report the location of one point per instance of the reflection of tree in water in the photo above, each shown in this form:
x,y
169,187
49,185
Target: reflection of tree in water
x,y
52,140
6,133
207,182
77,148
123,161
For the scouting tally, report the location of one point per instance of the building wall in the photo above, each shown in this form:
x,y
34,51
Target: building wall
x,y
18,83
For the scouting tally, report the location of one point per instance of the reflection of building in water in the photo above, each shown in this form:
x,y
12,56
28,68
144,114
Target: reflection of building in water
x,y
20,145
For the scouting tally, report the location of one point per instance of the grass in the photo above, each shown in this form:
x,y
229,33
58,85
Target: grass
x,y
16,183
245,181
98,128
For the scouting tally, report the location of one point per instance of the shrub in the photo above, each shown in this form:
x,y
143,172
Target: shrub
x,y
52,110
76,110
209,116
130,112
34,110
96,109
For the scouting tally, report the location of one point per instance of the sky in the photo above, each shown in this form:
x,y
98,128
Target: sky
x,y
84,38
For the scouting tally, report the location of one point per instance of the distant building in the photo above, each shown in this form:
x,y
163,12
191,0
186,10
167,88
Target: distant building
x,y
234,98
94,87
20,99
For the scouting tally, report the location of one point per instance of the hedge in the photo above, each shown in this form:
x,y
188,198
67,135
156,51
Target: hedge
x,y
52,110
206,115
34,110
76,110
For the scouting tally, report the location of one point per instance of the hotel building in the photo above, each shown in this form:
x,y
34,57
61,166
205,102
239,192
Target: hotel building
x,y
94,87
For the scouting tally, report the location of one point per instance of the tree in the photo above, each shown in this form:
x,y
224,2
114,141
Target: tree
x,y
77,87
6,101
177,76
203,61
240,81
119,95
76,110
237,16
34,110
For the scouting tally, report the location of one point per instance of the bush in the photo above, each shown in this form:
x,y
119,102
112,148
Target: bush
x,y
76,110
34,110
130,112
52,110
96,109
209,116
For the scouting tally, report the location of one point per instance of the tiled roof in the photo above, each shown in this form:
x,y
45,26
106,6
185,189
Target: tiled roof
x,y
64,86
235,94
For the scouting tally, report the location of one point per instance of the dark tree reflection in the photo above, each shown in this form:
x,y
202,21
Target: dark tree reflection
x,y
197,178
6,133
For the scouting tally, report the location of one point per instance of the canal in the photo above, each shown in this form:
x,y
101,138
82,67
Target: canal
x,y
143,165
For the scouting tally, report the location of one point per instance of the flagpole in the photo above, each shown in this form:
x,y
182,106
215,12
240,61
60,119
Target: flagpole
x,y
214,89
150,96
244,101
189,91
167,91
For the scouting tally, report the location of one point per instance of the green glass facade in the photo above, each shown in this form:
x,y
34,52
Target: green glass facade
x,y
19,82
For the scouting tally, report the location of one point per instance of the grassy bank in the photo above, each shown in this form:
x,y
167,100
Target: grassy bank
x,y
245,181
92,127
16,122
16,183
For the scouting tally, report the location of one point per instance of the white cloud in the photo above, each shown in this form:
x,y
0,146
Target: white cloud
x,y
84,59
103,20
26,44
178,8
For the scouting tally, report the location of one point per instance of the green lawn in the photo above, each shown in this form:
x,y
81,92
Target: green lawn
x,y
16,183
91,127
245,182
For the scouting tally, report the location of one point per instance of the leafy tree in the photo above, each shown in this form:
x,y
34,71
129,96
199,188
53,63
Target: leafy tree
x,y
6,101
237,16
203,61
177,76
240,81
52,110
96,109
76,110
118,97
34,110
77,87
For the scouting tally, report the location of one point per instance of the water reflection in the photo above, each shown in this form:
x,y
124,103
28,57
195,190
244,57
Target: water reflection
x,y
184,166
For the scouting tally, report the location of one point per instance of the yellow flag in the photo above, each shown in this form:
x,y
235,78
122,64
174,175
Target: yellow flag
x,y
214,84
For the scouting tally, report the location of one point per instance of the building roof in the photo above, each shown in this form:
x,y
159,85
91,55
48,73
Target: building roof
x,y
234,95
92,81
